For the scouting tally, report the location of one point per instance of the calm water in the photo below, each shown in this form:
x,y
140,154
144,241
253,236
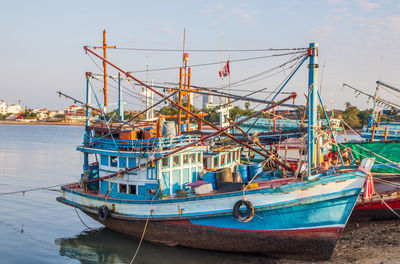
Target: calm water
x,y
34,228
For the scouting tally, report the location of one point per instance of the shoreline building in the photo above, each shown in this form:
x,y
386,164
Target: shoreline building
x,y
3,107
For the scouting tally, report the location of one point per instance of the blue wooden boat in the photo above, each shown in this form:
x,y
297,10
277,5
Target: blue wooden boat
x,y
149,185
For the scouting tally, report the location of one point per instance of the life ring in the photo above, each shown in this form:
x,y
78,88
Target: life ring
x,y
103,213
249,214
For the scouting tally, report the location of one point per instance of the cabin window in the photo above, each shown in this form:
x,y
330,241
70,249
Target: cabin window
x,y
132,162
192,158
122,162
176,161
234,155
229,157
165,162
215,162
140,135
132,189
122,188
205,162
104,160
198,157
185,159
222,159
113,161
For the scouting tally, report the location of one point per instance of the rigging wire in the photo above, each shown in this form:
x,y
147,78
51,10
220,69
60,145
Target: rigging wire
x,y
207,50
218,63
234,84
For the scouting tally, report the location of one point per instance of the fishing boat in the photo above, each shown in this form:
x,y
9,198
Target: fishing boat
x,y
385,202
375,129
148,184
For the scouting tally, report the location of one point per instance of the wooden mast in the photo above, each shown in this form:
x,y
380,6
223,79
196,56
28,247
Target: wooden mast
x,y
105,47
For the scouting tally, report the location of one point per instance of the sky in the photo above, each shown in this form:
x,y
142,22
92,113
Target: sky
x,y
42,45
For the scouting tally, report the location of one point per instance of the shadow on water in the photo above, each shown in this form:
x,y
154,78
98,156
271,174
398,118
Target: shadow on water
x,y
106,246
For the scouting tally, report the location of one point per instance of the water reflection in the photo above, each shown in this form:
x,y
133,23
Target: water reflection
x,y
106,246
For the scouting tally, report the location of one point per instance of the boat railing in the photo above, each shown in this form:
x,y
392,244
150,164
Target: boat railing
x,y
141,145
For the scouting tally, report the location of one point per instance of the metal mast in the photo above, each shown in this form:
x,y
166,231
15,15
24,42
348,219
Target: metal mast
x,y
312,105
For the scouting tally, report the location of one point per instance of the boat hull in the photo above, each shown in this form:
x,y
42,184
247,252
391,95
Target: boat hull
x,y
300,220
374,209
310,244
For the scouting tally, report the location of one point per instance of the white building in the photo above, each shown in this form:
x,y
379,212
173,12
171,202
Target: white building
x,y
71,109
14,109
42,113
53,113
3,107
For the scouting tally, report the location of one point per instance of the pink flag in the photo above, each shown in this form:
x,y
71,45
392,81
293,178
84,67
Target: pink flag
x,y
369,188
225,71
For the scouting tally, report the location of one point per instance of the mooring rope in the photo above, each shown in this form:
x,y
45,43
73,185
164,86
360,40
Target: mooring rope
x,y
76,211
145,228
46,188
391,209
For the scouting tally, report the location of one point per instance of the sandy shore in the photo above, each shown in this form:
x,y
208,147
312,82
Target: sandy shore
x,y
7,122
366,243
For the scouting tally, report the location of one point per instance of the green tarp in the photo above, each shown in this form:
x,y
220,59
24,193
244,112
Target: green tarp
x,y
388,149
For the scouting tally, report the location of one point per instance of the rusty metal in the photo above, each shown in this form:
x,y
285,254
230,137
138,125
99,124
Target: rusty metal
x,y
220,131
294,95
303,244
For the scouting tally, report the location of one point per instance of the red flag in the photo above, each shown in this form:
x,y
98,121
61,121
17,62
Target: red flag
x,y
225,71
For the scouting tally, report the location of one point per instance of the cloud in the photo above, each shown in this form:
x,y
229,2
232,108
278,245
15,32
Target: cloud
x,y
383,26
169,31
210,9
245,16
335,2
367,5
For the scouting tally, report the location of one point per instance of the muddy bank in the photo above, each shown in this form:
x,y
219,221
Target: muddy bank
x,y
366,243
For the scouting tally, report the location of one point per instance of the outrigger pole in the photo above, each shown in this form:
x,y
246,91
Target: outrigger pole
x,y
184,108
202,140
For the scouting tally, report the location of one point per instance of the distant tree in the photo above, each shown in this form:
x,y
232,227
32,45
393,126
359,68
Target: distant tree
x,y
350,115
173,110
129,115
212,116
237,111
28,114
363,116
394,112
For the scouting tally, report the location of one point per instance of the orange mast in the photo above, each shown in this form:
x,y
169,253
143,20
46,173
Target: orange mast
x,y
105,47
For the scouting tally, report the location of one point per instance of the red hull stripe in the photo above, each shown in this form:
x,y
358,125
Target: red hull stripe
x,y
327,232
395,204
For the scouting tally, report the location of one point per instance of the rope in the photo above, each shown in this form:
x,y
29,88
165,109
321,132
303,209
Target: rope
x,y
391,209
376,154
217,63
351,129
145,228
375,160
76,211
33,189
394,184
210,50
